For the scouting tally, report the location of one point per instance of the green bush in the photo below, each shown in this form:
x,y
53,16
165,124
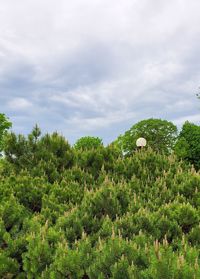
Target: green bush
x,y
94,213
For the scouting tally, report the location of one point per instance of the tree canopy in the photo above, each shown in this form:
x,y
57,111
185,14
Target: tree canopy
x,y
160,135
188,144
47,154
86,143
5,125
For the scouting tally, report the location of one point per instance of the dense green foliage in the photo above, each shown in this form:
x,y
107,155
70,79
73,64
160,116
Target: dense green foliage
x,y
47,155
89,142
5,124
188,144
160,135
68,213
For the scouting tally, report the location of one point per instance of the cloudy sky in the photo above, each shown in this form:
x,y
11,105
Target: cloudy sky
x,y
96,67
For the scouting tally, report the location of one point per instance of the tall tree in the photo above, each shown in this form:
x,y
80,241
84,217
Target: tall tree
x,y
160,135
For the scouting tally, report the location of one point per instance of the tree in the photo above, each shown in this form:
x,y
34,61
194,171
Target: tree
x,y
48,154
5,124
160,135
188,144
86,143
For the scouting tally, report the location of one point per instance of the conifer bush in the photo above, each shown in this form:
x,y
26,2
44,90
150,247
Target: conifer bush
x,y
94,213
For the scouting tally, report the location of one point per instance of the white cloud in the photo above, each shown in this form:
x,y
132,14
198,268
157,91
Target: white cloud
x,y
19,104
191,118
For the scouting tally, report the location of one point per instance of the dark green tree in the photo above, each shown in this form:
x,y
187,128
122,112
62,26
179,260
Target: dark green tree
x,y
5,125
160,135
188,144
46,155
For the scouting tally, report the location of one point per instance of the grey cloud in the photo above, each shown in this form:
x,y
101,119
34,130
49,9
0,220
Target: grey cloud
x,y
97,67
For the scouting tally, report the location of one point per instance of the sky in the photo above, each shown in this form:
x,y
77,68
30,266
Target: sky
x,y
96,67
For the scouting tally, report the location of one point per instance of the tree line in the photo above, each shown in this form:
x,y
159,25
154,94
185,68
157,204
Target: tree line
x,y
161,135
